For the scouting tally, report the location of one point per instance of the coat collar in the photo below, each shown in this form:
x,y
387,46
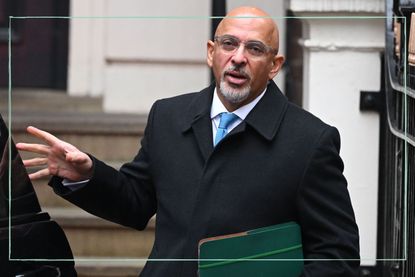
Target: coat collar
x,y
265,118
267,115
199,107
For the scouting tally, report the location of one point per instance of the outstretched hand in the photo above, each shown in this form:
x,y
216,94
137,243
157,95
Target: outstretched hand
x,y
60,158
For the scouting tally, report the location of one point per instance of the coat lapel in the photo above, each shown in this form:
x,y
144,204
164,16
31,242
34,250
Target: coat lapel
x,y
198,120
266,117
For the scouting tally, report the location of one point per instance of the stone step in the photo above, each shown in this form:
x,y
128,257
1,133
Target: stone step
x,y
47,198
78,120
108,266
29,99
110,137
90,236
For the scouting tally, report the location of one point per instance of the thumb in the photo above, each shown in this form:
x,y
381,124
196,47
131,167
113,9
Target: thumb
x,y
76,157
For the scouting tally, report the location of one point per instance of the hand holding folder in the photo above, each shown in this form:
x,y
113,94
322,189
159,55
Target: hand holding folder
x,y
270,251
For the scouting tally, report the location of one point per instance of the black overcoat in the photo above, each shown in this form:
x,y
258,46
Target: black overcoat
x,y
280,164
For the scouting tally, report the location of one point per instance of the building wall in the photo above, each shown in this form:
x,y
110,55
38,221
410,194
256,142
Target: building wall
x,y
151,50
342,45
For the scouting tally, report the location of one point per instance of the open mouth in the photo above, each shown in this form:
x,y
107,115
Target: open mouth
x,y
236,78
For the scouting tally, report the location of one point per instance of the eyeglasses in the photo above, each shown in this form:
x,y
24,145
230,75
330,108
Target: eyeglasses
x,y
255,48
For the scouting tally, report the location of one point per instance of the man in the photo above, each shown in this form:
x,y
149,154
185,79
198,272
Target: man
x,y
277,163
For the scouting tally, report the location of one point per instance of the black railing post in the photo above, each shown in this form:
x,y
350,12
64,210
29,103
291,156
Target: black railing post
x,y
218,9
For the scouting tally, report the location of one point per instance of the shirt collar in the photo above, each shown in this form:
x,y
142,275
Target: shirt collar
x,y
242,112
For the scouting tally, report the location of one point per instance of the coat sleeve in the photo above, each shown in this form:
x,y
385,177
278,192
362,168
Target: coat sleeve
x,y
126,196
329,231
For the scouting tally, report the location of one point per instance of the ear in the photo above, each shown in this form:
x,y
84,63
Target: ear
x,y
210,51
277,62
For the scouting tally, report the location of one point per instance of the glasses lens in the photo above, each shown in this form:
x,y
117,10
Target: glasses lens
x,y
255,48
229,43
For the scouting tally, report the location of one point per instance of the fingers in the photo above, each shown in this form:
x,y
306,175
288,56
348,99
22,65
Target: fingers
x,y
61,158
33,147
39,174
35,162
45,136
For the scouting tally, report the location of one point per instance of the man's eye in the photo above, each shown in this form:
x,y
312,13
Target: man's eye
x,y
228,42
256,49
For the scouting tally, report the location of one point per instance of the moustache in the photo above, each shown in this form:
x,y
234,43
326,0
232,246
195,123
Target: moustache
x,y
237,71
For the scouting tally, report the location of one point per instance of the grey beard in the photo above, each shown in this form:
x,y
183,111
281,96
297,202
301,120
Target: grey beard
x,y
234,95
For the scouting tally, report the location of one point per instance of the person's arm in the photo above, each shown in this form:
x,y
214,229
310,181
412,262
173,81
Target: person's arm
x,y
126,196
329,231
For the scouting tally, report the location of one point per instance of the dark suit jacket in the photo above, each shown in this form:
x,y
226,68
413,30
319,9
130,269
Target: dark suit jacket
x,y
280,164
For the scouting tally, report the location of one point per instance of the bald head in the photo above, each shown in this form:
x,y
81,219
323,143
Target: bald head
x,y
242,73
251,18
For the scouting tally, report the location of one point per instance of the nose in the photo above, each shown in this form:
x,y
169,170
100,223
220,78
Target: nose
x,y
239,56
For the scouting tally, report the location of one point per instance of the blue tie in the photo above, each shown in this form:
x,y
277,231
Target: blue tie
x,y
226,119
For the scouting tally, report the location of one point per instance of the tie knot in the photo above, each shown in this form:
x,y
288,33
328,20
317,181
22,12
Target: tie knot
x,y
227,119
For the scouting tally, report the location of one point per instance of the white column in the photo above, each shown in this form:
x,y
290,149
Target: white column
x,y
341,58
86,48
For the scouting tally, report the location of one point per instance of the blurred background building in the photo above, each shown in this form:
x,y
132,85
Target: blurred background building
x,y
91,76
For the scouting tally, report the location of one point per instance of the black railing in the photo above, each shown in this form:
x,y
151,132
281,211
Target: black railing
x,y
396,251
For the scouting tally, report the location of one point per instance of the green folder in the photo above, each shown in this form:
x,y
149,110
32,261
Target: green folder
x,y
270,251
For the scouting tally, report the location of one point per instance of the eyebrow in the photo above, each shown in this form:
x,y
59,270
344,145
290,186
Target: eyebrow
x,y
250,40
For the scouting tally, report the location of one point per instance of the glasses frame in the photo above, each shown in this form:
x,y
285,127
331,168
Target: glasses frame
x,y
268,49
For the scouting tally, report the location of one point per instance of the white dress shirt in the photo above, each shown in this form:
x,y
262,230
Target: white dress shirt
x,y
218,108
